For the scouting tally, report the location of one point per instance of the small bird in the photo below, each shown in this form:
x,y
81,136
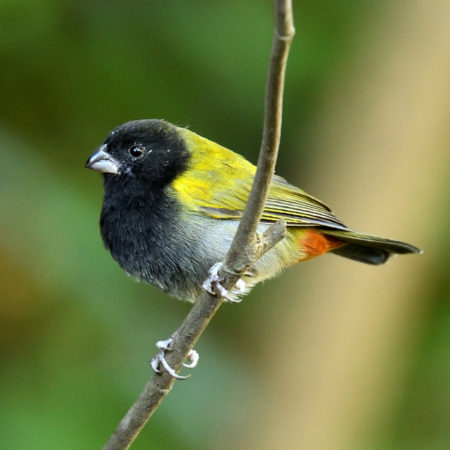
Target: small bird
x,y
173,201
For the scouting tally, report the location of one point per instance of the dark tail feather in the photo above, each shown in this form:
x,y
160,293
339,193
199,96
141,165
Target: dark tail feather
x,y
368,255
367,248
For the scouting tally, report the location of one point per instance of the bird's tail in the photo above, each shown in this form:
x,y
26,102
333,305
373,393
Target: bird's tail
x,y
367,248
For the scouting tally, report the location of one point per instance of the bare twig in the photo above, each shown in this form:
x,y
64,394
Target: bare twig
x,y
246,248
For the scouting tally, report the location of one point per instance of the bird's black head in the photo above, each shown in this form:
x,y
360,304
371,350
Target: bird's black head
x,y
148,152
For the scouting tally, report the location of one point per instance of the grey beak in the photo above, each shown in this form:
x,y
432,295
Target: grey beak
x,y
102,161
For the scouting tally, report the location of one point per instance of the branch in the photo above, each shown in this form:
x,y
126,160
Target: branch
x,y
245,249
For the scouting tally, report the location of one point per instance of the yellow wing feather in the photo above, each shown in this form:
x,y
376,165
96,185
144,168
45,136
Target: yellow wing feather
x,y
218,181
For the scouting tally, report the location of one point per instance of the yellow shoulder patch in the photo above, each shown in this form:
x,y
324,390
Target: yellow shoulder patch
x,y
218,182
216,177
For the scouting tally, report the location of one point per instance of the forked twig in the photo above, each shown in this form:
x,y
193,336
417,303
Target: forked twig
x,y
245,249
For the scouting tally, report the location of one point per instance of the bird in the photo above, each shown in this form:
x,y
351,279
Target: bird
x,y
172,204
173,201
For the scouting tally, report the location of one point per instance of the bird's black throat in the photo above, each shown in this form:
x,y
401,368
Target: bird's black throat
x,y
139,228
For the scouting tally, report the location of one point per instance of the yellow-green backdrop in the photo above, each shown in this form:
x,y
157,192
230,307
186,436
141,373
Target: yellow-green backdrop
x,y
332,354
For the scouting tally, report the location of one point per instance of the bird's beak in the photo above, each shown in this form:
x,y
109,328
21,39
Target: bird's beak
x,y
102,161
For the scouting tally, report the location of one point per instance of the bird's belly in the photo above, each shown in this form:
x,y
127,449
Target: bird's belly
x,y
172,256
216,238
176,257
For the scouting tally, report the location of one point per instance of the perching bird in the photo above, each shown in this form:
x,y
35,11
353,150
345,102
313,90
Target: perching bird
x,y
173,201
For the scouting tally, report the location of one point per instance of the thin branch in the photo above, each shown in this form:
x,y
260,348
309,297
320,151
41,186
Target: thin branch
x,y
246,248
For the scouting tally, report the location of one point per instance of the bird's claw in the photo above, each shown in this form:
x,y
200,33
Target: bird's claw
x,y
160,359
213,285
193,357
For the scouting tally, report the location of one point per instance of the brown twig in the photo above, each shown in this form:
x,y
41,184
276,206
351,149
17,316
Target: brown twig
x,y
246,248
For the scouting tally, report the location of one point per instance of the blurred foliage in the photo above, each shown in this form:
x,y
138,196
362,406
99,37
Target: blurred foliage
x,y
76,334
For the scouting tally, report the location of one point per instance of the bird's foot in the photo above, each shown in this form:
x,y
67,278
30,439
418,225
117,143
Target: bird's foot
x,y
160,359
213,285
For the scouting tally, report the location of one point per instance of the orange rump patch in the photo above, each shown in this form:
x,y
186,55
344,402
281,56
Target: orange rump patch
x,y
314,243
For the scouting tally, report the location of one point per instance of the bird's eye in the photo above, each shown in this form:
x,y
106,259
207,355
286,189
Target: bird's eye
x,y
136,151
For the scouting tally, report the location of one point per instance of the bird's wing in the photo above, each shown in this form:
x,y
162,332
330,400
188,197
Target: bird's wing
x,y
297,207
218,182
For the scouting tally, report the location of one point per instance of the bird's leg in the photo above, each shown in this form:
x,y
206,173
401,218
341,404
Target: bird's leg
x,y
213,285
160,359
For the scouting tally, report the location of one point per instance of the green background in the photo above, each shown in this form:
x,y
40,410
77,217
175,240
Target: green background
x,y
76,334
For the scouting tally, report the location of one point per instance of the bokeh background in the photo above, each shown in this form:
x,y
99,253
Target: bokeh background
x,y
332,354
